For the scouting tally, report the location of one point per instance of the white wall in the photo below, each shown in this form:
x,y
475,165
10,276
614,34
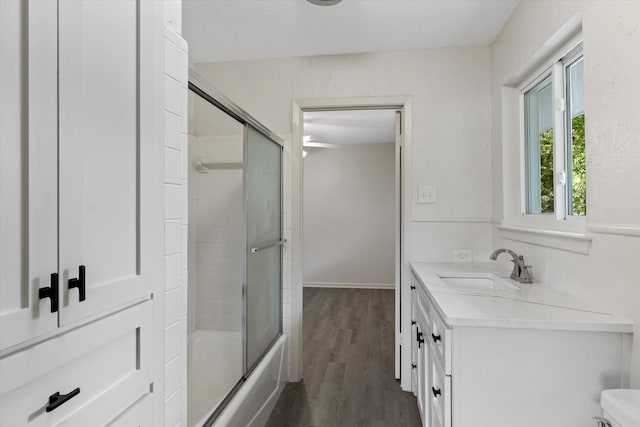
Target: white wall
x,y
608,273
349,216
451,135
452,124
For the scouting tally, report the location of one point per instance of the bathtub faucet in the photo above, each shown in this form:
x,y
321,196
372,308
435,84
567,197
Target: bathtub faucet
x,y
520,270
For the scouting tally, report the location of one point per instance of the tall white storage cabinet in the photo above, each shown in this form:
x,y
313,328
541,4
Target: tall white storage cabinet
x,y
80,212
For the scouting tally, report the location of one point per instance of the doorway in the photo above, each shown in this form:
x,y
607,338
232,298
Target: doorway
x,y
349,199
401,106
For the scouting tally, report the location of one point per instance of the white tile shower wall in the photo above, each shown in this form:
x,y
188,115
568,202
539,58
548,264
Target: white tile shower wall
x,y
218,230
176,75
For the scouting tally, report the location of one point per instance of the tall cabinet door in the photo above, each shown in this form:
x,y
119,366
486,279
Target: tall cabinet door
x,y
28,170
101,202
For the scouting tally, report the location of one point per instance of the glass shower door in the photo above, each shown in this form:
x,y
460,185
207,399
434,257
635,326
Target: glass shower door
x,y
264,242
216,239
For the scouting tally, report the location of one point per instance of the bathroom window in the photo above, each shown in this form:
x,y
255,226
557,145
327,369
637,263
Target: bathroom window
x,y
554,140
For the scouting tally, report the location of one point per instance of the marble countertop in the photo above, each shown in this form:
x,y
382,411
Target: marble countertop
x,y
532,306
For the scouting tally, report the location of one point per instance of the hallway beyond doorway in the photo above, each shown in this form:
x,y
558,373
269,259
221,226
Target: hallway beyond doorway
x,y
348,364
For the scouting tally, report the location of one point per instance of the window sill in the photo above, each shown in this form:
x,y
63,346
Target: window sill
x,y
564,240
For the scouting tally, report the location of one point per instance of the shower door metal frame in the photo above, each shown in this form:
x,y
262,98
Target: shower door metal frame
x,y
199,86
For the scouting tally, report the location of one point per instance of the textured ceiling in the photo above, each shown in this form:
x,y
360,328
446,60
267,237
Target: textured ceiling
x,y
225,30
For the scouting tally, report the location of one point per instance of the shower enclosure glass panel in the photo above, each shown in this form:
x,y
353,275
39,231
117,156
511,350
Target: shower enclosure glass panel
x,y
216,257
264,241
235,249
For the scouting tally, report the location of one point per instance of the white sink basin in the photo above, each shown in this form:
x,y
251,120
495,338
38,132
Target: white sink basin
x,y
476,281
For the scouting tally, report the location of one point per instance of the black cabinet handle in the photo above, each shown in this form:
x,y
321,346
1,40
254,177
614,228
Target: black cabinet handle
x,y
436,391
419,338
414,366
412,287
51,292
413,322
57,399
80,283
435,337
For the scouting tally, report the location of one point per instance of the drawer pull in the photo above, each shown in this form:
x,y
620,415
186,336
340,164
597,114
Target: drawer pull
x,y
436,391
51,292
57,399
414,366
435,337
413,287
413,322
419,338
80,283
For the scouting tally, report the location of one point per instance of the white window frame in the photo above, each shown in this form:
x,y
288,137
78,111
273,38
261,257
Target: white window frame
x,y
556,67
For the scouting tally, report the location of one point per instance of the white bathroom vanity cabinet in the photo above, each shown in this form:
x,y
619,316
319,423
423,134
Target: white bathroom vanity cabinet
x,y
505,358
81,245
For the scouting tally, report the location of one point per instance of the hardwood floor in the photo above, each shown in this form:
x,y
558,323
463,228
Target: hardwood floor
x,y
348,364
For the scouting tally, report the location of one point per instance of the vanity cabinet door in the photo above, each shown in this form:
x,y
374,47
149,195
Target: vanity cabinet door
x,y
440,341
439,394
414,344
28,170
423,362
420,371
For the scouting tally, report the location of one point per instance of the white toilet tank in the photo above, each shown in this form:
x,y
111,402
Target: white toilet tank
x,y
621,408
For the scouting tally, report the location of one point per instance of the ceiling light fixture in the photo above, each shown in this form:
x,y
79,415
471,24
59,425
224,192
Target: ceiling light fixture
x,y
324,2
313,144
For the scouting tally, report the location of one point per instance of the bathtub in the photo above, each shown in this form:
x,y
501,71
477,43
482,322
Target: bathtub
x,y
214,366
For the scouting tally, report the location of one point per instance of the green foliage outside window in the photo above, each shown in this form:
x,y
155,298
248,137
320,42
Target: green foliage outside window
x,y
578,175
546,171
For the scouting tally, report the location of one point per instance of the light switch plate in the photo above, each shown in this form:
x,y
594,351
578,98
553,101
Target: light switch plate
x,y
462,255
427,194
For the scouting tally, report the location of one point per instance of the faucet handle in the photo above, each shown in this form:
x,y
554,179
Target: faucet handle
x,y
525,274
602,422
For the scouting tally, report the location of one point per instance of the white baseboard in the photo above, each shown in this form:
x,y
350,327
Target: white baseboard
x,y
349,285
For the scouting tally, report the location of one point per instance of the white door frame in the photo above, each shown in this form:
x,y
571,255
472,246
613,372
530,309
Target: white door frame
x,y
403,232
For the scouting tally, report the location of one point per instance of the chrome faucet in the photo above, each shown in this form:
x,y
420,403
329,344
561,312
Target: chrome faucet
x,y
520,270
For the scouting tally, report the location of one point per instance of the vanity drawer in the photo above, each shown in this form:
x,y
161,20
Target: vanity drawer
x,y
440,396
440,342
421,295
104,367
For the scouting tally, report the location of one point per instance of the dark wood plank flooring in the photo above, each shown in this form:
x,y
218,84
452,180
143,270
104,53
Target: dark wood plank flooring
x,y
348,377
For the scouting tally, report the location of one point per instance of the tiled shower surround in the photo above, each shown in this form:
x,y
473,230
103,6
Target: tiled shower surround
x,y
218,232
